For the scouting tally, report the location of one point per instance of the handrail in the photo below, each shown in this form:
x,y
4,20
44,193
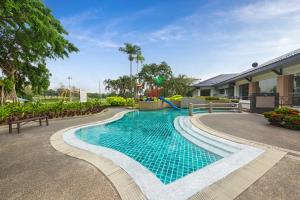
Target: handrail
x,y
211,106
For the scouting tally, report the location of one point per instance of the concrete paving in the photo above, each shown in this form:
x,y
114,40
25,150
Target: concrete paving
x,y
30,168
253,127
279,183
283,180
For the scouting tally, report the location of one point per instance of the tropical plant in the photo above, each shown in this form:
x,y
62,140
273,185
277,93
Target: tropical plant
x,y
139,60
29,36
131,50
120,86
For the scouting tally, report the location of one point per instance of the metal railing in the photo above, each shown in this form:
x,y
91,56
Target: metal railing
x,y
215,106
291,100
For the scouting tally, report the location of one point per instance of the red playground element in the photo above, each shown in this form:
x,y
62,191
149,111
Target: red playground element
x,y
154,93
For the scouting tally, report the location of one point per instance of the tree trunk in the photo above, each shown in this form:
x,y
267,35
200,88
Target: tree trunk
x,y
2,95
12,95
131,85
136,88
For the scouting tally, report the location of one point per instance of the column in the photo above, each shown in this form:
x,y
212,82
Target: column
x,y
253,88
285,89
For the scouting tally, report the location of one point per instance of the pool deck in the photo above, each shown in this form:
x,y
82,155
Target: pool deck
x,y
30,168
282,181
253,127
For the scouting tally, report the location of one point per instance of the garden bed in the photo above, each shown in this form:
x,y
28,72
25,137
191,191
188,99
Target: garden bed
x,y
17,111
284,117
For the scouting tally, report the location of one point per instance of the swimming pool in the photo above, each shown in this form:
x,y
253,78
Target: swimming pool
x,y
162,151
150,138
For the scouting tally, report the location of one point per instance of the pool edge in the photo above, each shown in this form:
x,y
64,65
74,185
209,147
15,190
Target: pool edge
x,y
122,182
245,176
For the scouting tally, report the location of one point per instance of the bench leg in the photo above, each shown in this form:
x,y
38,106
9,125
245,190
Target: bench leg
x,y
18,127
40,120
10,128
47,123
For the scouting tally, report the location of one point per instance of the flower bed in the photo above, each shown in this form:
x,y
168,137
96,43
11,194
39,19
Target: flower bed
x,y
285,117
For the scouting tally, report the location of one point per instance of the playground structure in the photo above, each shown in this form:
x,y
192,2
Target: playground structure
x,y
168,102
156,93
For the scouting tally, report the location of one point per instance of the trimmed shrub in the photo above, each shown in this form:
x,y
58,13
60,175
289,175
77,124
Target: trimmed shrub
x,y
212,98
292,121
285,117
17,111
175,98
130,102
286,111
234,100
116,101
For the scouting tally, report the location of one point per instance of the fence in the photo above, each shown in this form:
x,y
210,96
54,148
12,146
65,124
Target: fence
x,y
213,106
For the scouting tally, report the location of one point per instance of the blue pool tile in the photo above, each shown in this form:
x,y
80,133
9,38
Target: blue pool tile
x,y
150,138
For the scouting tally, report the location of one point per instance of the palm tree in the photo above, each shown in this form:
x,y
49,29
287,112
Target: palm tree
x,y
139,59
131,50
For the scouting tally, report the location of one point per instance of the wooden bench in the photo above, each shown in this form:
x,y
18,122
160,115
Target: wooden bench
x,y
25,121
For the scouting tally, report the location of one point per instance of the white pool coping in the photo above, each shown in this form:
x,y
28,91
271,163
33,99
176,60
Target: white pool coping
x,y
150,185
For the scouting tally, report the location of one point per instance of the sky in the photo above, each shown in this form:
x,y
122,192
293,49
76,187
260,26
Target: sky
x,y
199,38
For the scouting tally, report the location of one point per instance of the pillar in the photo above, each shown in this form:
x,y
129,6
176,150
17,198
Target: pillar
x,y
253,88
285,89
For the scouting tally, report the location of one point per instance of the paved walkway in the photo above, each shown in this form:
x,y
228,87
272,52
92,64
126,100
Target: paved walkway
x,y
283,180
253,127
30,168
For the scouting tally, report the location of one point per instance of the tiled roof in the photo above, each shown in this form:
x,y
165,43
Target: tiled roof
x,y
281,61
215,80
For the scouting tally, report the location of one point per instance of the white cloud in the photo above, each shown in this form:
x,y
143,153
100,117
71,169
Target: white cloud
x,y
167,33
101,43
80,18
262,10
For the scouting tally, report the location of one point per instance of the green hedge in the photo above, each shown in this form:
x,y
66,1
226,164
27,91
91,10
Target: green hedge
x,y
285,117
120,101
175,98
15,111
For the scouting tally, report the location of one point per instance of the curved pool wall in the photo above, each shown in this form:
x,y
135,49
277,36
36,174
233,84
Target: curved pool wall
x,y
155,185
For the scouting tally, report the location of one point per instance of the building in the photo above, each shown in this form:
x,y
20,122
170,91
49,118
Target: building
x,y
281,75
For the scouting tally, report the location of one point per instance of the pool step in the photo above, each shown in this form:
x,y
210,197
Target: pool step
x,y
219,142
201,138
200,143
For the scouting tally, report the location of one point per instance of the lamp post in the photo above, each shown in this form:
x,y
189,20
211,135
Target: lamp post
x,y
70,93
99,89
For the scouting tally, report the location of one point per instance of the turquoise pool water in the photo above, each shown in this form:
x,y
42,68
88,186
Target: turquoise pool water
x,y
149,137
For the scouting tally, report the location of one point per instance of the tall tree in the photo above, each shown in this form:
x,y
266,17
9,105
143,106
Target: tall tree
x,y
120,86
131,50
29,35
150,71
178,85
139,60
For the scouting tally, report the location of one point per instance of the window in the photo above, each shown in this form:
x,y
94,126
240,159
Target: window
x,y
205,92
297,83
244,91
268,85
221,91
